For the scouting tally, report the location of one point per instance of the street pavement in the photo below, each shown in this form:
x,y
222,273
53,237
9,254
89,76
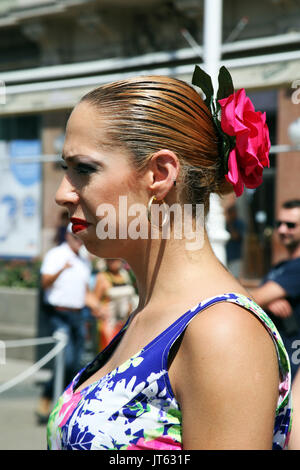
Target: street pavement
x,y
18,426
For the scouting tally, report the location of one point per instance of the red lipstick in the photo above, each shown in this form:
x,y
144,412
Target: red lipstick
x,y
78,224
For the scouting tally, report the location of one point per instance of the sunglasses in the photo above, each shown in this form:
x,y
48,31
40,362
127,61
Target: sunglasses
x,y
278,223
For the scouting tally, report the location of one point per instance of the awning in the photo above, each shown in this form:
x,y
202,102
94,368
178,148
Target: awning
x,y
64,94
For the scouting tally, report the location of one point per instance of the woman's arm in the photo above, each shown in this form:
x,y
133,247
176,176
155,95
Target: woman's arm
x,y
225,377
101,286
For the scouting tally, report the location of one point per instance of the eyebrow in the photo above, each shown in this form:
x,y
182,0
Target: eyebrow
x,y
64,157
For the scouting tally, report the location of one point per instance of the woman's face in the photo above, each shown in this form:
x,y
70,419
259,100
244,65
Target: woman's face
x,y
95,175
114,265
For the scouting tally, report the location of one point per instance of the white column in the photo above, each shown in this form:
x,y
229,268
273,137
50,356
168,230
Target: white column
x,y
212,38
212,42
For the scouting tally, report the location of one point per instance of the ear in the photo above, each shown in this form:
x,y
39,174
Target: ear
x,y
163,171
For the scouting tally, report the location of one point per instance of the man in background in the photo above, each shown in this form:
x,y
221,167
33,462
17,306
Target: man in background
x,y
65,274
279,294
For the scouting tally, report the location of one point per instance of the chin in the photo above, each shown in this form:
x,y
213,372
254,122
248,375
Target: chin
x,y
105,248
289,245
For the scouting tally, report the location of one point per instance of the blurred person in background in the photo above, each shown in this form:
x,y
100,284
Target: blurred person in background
x,y
280,291
60,235
65,275
198,364
236,228
114,290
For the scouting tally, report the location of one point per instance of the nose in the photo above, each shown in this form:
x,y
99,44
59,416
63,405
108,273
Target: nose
x,y
66,193
282,229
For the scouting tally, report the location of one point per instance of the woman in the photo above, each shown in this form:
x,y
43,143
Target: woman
x,y
114,290
196,366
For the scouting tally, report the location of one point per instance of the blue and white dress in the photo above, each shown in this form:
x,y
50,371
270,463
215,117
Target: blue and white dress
x,y
134,407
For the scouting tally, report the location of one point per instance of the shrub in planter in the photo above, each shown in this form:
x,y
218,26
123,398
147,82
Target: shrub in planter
x,y
19,273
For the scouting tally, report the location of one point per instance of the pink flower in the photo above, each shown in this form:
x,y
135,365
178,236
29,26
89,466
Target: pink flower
x,y
161,443
251,153
284,386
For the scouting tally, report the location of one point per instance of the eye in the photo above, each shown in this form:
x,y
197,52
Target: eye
x,y
84,169
79,168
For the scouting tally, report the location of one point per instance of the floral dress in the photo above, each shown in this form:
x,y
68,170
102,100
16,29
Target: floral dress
x,y
133,407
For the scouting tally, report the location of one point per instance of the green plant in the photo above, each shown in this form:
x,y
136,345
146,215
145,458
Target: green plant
x,y
19,273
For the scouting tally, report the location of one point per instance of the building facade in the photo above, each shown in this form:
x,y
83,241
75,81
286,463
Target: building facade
x,y
53,52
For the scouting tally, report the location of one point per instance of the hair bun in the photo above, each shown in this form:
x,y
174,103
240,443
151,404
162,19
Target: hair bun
x,y
223,187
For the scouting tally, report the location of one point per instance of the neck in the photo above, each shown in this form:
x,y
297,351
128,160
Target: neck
x,y
166,267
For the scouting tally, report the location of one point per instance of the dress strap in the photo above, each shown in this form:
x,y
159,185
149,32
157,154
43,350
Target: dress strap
x,y
179,327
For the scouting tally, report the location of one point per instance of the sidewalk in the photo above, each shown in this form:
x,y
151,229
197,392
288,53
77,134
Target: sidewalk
x,y
18,427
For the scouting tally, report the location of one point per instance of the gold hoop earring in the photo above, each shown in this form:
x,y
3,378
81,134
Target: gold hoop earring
x,y
166,214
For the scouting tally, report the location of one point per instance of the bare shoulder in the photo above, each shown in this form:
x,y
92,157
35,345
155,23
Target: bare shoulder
x,y
230,327
225,377
101,279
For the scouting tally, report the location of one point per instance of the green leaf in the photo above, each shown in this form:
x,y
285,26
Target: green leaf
x,y
202,80
226,87
228,145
